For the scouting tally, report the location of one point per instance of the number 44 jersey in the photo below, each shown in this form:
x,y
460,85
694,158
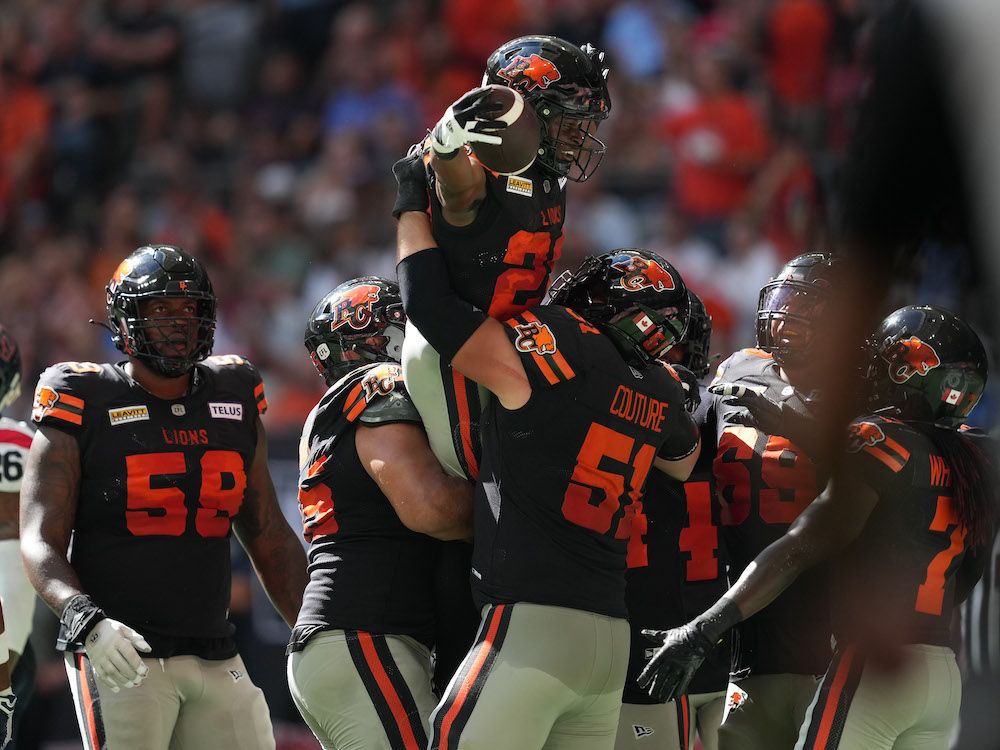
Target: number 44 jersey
x,y
160,482
764,482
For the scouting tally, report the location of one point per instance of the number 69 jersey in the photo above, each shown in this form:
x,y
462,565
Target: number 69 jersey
x,y
160,482
764,482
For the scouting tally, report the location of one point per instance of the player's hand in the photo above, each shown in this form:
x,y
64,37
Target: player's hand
x,y
113,650
769,416
668,674
7,701
411,182
469,120
692,388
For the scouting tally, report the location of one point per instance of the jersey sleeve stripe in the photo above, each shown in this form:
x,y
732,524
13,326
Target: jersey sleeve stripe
x,y
13,437
66,416
898,449
890,461
258,390
261,405
561,368
73,401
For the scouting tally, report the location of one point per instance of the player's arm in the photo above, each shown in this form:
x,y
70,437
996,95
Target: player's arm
x,y
48,510
829,524
475,344
399,459
679,469
273,548
461,181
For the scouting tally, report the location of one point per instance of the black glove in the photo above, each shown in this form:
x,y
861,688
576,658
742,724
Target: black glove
x,y
668,674
768,416
692,388
7,701
411,182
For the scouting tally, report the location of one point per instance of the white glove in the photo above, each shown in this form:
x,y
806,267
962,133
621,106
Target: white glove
x,y
111,648
7,701
469,120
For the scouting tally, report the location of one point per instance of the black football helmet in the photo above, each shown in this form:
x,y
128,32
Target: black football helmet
x,y
631,294
10,369
567,86
697,340
926,364
796,296
160,271
360,321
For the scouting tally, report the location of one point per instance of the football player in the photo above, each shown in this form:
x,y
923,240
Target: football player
x,y
371,495
910,513
501,235
582,410
684,575
16,591
765,478
149,464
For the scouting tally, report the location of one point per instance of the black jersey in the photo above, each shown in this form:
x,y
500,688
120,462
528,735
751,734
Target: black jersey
x,y
501,262
899,575
559,497
367,571
686,565
764,482
161,481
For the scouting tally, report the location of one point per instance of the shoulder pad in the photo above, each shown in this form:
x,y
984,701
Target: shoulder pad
x,y
880,438
392,407
60,396
739,363
233,365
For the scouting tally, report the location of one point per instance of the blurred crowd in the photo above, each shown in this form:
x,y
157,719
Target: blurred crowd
x,y
259,135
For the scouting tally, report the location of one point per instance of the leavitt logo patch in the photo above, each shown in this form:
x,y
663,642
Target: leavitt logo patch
x,y
226,411
519,186
126,414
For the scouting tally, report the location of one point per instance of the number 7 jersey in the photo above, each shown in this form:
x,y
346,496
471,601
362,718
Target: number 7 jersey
x,y
160,482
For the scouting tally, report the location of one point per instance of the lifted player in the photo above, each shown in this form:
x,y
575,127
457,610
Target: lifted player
x,y
149,464
372,495
910,515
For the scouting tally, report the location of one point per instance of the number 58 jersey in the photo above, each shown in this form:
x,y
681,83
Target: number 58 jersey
x,y
160,482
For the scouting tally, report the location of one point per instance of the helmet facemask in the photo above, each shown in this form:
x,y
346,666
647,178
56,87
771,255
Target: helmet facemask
x,y
146,337
569,147
785,314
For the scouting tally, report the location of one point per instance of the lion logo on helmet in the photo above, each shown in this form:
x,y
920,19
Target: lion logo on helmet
x,y
911,357
863,434
354,307
531,72
535,337
640,273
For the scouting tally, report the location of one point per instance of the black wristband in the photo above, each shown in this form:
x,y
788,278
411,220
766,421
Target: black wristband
x,y
78,618
433,306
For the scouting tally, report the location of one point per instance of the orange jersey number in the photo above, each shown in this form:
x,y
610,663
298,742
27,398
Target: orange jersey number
x,y
533,254
930,594
700,538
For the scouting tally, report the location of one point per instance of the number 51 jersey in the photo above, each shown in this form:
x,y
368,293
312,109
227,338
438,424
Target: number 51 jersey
x,y
160,482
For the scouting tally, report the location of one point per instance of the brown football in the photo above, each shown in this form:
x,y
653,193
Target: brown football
x,y
521,137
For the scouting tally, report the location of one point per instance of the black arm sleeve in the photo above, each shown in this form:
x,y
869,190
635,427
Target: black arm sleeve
x,y
433,306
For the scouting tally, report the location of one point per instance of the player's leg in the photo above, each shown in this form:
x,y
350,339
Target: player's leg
x,y
592,724
942,700
22,682
706,716
656,725
139,718
529,665
359,691
449,405
221,707
771,715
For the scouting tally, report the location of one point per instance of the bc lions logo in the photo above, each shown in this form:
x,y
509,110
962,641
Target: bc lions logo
x,y
639,274
911,357
863,434
355,307
530,72
535,337
45,400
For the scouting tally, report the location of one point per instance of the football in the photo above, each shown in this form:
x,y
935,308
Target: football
x,y
521,137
